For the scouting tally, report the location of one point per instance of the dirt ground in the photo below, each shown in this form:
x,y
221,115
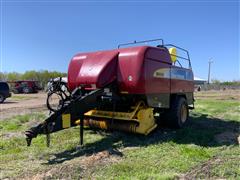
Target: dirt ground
x,y
22,104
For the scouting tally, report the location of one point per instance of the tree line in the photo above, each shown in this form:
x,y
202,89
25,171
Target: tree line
x,y
226,83
42,76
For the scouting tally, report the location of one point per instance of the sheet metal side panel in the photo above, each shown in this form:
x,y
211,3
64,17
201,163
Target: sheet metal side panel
x,y
181,80
157,77
73,70
108,73
157,62
86,68
92,67
130,70
132,63
159,54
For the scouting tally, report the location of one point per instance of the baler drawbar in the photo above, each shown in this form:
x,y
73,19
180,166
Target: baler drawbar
x,y
126,89
66,117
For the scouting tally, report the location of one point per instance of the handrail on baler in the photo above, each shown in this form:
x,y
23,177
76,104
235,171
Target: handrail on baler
x,y
186,51
138,42
162,45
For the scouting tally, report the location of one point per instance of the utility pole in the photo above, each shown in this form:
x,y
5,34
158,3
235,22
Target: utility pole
x,y
209,69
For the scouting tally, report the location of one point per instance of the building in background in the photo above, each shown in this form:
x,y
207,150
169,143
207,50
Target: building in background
x,y
199,81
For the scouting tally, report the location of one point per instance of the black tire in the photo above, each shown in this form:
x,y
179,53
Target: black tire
x,y
177,115
27,90
2,98
58,106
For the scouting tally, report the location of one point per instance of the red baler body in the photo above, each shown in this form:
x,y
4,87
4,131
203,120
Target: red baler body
x,y
124,89
137,70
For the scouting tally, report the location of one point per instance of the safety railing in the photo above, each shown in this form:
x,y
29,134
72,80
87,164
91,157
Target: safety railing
x,y
187,58
139,42
180,57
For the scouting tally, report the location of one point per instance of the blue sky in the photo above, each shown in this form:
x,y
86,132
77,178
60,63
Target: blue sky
x,y
39,35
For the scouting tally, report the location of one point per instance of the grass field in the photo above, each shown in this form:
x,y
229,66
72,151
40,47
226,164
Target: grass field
x,y
208,147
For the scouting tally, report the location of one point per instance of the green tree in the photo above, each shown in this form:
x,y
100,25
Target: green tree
x,y
13,76
42,76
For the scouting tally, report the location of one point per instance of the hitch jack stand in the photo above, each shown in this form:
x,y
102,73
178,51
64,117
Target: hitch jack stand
x,y
81,131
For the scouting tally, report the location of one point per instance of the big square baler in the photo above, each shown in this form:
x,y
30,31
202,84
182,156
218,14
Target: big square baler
x,y
124,89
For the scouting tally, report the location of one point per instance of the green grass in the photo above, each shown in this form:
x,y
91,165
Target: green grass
x,y
18,123
193,151
217,108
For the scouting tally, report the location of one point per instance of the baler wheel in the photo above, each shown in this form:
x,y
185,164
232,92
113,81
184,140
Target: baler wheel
x,y
178,113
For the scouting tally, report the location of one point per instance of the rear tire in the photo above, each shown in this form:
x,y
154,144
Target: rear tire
x,y
2,98
177,115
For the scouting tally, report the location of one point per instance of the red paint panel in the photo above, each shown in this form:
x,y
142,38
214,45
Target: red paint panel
x,y
130,69
181,80
156,84
179,86
140,63
97,68
73,71
160,54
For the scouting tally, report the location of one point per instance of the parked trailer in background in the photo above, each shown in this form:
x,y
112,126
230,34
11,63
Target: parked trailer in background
x,y
124,89
24,86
